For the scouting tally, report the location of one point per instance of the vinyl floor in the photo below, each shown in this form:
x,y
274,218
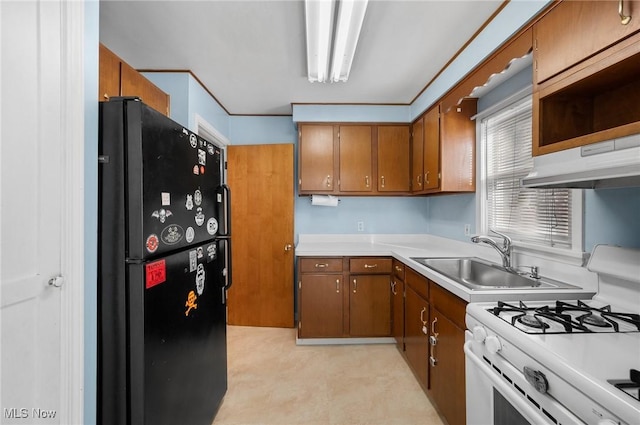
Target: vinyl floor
x,y
272,381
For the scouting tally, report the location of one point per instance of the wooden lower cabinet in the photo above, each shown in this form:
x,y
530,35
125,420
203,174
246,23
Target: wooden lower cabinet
x,y
397,304
416,317
369,306
344,297
321,306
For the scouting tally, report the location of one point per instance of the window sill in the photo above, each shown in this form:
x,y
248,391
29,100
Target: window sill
x,y
566,256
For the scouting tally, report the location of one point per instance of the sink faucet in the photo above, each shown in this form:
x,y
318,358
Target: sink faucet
x,y
505,250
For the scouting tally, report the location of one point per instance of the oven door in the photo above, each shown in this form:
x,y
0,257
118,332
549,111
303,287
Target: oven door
x,y
498,393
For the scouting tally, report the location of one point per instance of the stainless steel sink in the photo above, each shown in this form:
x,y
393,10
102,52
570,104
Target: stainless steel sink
x,y
478,274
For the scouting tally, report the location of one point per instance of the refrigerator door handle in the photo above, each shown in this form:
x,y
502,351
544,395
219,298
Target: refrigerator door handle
x,y
227,210
229,280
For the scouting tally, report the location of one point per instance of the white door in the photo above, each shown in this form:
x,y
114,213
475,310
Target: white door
x,y
38,139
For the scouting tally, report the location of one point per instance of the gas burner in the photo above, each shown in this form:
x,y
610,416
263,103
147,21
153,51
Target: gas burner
x,y
594,320
532,321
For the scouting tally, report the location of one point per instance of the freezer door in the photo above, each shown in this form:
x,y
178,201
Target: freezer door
x,y
173,184
178,337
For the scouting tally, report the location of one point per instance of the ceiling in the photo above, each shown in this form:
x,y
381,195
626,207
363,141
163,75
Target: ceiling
x,y
251,55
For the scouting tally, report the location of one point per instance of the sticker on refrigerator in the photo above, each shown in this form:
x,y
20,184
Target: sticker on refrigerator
x,y
202,169
191,302
152,243
193,261
166,199
172,234
189,203
197,197
210,149
156,273
212,226
196,170
161,214
202,157
211,253
193,140
199,217
200,252
200,279
190,234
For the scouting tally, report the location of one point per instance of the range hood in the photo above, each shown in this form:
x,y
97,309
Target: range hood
x,y
610,164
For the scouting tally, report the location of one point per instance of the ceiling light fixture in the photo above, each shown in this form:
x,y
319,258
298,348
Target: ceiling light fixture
x,y
332,35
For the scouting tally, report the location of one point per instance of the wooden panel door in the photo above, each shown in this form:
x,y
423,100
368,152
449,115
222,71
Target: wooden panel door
x,y
261,182
393,158
132,83
317,152
458,144
356,161
417,149
369,305
575,30
321,306
431,159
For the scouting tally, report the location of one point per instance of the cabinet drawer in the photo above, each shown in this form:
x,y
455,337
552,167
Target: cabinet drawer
x,y
398,269
310,265
447,303
417,282
370,265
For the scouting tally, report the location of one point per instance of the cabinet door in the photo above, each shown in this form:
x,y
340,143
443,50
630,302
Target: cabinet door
x,y
317,152
416,318
393,158
457,148
574,30
321,304
356,162
446,369
132,83
417,154
109,75
397,311
369,305
431,152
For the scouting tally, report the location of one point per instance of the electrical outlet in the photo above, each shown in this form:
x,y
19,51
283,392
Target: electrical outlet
x,y
361,226
467,229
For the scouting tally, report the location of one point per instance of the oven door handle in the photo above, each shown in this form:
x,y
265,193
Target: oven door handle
x,y
522,406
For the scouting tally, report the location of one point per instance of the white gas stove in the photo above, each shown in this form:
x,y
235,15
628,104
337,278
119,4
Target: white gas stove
x,y
560,362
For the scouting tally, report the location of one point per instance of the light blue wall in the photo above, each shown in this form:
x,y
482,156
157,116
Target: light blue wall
x,y
201,103
252,130
448,215
176,85
91,34
612,217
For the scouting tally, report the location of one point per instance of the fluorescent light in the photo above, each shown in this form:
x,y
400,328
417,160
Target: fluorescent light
x,y
322,40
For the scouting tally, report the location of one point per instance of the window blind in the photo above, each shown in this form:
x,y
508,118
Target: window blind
x,y
539,216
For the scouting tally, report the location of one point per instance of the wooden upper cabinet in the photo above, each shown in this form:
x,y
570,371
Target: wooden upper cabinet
x,y
431,150
133,83
316,162
109,75
356,158
393,158
417,149
117,78
457,148
576,30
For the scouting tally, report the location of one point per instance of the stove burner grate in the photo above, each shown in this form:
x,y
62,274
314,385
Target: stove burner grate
x,y
531,321
595,320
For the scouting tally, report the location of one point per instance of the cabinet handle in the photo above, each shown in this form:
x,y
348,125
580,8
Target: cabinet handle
x,y
433,361
433,327
106,96
419,179
426,177
366,181
321,265
624,19
398,268
393,287
337,286
424,322
355,285
370,266
329,181
382,180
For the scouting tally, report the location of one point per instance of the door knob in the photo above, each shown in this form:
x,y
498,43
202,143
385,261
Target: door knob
x,y
288,247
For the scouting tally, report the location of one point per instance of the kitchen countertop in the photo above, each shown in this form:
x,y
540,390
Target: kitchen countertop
x,y
403,247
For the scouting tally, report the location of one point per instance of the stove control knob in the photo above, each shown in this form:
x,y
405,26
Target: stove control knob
x,y
479,333
537,379
493,344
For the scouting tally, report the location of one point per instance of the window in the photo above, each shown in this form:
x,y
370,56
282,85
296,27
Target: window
x,y
531,217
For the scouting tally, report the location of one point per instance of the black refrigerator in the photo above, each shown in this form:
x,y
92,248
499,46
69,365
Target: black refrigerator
x,y
164,268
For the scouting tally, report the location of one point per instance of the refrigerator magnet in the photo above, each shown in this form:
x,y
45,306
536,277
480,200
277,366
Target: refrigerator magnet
x,y
189,203
172,234
152,243
190,234
193,140
212,226
156,273
200,279
191,302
